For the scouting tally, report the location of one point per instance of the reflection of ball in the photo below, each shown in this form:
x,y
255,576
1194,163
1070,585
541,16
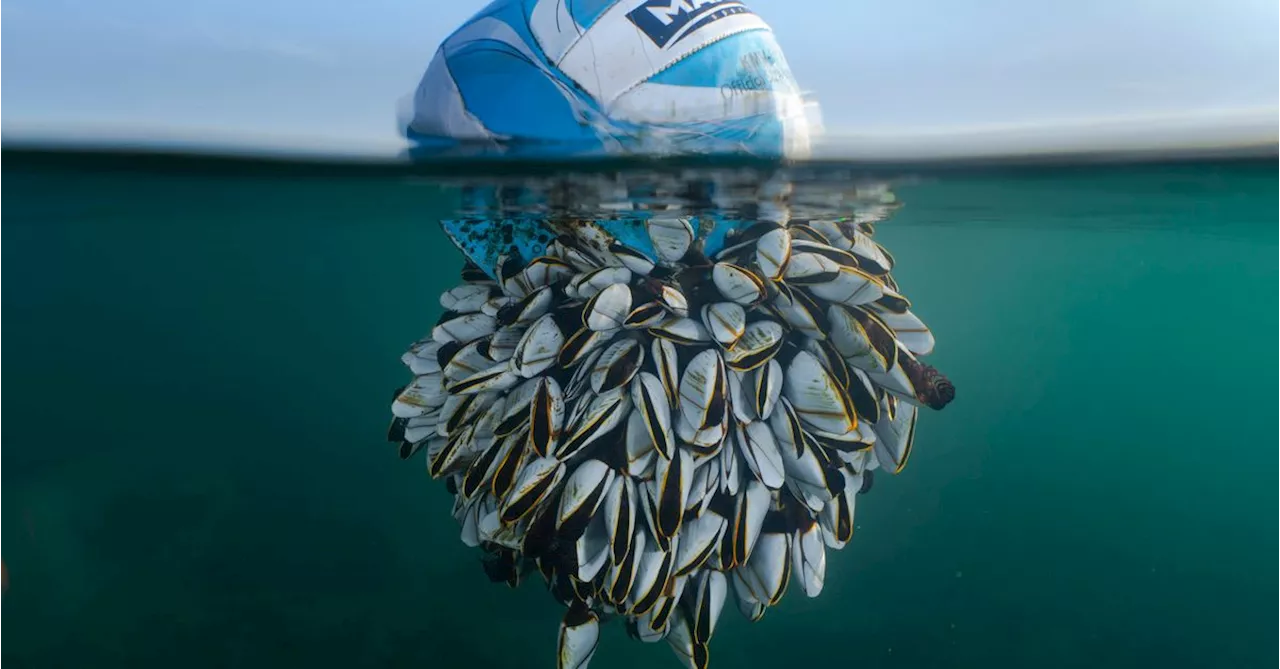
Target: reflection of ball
x,y
686,74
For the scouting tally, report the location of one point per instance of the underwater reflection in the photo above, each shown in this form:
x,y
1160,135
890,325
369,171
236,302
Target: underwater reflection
x,y
655,388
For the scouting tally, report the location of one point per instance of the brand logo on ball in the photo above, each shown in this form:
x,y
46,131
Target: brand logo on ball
x,y
669,21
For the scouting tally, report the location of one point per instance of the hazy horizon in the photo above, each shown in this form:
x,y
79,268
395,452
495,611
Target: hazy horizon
x,y
903,79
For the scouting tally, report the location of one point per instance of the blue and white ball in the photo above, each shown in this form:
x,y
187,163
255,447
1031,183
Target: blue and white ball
x,y
608,76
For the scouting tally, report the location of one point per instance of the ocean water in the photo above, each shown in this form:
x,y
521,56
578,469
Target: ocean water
x,y
200,360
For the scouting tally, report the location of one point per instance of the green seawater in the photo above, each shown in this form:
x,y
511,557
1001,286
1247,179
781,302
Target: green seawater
x,y
199,366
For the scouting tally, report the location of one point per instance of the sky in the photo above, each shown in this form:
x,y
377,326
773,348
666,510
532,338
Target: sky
x,y
336,70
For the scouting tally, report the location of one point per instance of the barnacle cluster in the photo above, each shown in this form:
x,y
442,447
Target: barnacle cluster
x,y
649,429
